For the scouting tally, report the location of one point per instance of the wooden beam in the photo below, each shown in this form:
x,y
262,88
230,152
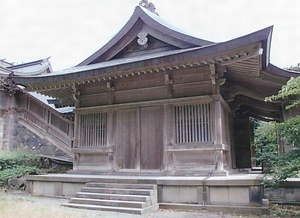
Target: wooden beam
x,y
266,106
239,90
242,56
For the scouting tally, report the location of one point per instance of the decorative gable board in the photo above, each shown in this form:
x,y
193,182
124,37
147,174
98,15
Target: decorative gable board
x,y
153,45
159,36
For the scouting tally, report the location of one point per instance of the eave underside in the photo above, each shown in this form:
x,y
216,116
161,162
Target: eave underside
x,y
245,79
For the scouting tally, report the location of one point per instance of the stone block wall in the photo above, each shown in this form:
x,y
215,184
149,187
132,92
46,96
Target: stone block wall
x,y
13,135
22,138
288,192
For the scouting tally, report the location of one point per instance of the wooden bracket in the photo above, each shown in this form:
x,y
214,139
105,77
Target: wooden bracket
x,y
213,75
76,94
111,92
110,87
169,83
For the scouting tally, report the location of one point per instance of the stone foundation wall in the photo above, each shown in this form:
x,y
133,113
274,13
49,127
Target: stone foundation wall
x,y
22,138
288,192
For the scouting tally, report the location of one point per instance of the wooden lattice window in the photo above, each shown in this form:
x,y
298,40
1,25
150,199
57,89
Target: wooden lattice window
x,y
93,129
193,123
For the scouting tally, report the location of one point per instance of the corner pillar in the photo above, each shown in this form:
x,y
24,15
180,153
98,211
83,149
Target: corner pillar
x,y
219,154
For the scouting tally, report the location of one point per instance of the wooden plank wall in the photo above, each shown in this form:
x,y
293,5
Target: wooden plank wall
x,y
149,87
146,136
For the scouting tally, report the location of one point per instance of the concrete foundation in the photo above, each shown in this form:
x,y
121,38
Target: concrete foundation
x,y
243,191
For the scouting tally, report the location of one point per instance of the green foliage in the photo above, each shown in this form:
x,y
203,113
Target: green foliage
x,y
292,90
12,159
290,131
268,136
17,164
285,165
265,142
17,171
278,166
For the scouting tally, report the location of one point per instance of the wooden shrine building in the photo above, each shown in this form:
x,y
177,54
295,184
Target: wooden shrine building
x,y
155,100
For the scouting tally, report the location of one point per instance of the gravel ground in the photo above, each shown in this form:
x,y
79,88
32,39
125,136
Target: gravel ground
x,y
31,206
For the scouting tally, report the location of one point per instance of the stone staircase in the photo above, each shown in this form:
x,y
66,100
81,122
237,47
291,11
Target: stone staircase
x,y
125,198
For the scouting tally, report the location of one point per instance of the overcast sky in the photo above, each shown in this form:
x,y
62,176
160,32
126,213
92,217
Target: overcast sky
x,y
71,30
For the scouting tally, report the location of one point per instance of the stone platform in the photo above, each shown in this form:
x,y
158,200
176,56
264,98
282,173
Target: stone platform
x,y
235,193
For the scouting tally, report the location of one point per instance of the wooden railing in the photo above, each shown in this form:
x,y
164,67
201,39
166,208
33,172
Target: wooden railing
x,y
51,126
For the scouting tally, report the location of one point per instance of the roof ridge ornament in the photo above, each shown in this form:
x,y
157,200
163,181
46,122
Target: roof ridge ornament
x,y
149,6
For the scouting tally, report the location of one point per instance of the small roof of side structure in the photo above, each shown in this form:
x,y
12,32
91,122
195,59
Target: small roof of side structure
x,y
33,68
249,75
38,67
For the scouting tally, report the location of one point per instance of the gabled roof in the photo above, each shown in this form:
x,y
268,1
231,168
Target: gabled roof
x,y
249,75
4,71
4,63
34,68
159,32
219,52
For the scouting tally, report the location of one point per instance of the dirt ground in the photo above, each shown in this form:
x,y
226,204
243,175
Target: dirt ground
x,y
20,204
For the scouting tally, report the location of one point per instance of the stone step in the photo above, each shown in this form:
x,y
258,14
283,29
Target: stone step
x,y
120,197
121,185
118,191
139,198
139,211
111,203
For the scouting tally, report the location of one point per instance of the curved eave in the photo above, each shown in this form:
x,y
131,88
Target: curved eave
x,y
180,57
139,13
272,69
4,72
244,106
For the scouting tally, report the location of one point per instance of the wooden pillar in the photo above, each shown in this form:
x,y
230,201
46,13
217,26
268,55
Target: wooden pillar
x,y
138,139
219,156
111,129
252,148
169,137
232,145
76,130
76,97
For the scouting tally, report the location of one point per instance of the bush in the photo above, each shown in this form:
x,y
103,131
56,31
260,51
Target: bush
x,y
17,164
17,171
10,159
278,166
